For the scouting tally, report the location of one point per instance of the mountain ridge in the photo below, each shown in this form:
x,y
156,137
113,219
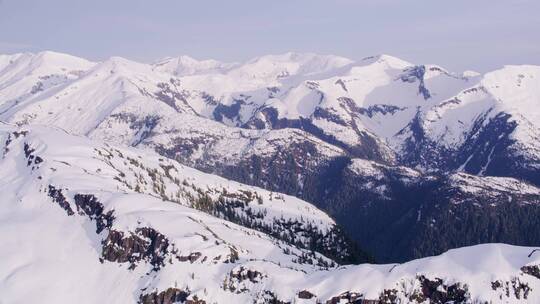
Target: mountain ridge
x,y
105,221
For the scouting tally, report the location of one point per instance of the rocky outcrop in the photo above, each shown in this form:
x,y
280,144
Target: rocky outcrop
x,y
144,244
242,279
58,197
170,296
86,205
513,288
414,74
89,205
32,159
533,270
347,297
305,294
436,291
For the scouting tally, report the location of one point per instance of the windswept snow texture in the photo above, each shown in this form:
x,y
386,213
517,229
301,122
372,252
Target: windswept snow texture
x,y
89,222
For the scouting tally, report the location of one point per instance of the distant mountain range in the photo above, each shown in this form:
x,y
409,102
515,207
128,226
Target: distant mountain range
x,y
324,161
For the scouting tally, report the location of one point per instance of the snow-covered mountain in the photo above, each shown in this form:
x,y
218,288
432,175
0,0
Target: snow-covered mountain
x,y
91,222
380,108
186,66
355,138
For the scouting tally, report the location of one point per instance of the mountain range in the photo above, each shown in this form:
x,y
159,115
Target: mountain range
x,y
204,181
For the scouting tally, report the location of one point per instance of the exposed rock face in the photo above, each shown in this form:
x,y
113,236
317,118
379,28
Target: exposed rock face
x,y
89,205
143,244
533,270
227,111
60,199
347,297
241,279
243,274
170,296
435,291
414,74
33,160
513,289
429,291
304,294
86,205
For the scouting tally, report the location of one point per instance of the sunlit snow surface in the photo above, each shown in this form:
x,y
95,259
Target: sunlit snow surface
x,y
58,256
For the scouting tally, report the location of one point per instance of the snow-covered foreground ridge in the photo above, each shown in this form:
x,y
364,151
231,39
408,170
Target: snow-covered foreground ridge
x,y
88,222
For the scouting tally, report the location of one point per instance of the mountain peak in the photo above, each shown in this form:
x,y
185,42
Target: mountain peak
x,y
299,57
391,61
43,64
185,65
61,59
280,66
120,64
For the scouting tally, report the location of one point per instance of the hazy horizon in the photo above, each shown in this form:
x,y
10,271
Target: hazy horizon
x,y
481,35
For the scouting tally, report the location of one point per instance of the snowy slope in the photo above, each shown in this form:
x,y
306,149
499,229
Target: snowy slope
x,y
512,90
88,222
135,171
23,77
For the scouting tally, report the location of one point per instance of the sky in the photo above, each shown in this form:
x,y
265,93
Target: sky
x,y
460,35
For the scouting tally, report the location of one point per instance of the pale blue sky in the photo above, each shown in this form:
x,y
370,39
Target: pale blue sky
x,y
459,34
